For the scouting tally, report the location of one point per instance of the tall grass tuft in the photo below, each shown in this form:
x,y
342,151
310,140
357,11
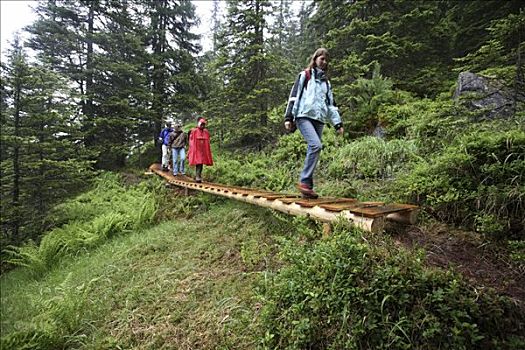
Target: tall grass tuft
x,y
87,221
477,181
57,325
372,157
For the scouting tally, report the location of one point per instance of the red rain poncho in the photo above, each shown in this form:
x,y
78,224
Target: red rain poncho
x,y
200,151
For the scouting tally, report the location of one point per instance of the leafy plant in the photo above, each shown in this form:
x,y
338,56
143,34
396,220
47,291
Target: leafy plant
x,y
88,221
59,321
365,96
517,251
344,293
480,175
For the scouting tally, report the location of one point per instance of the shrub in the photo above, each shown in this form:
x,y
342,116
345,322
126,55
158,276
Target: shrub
x,y
290,148
256,170
435,124
480,176
399,118
342,293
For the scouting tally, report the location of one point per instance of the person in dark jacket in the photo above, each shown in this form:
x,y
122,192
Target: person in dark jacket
x,y
199,153
311,105
177,141
164,138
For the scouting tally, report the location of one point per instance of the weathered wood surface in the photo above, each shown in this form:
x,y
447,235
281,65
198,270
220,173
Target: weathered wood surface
x,y
370,216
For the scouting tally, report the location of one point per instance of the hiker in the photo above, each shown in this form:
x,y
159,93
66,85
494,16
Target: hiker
x,y
311,105
177,141
199,153
164,138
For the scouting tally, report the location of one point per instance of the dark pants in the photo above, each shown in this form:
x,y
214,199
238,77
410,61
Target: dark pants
x,y
198,171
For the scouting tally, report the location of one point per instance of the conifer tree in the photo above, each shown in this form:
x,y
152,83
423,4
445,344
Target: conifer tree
x,y
415,42
14,86
253,79
63,36
304,41
215,23
41,161
120,88
173,76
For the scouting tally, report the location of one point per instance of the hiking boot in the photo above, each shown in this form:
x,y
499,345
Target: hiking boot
x,y
306,191
198,179
165,168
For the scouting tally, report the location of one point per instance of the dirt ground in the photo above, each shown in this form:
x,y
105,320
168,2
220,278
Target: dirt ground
x,y
484,264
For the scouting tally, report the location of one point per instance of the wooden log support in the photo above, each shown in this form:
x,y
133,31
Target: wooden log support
x,y
408,217
327,229
369,216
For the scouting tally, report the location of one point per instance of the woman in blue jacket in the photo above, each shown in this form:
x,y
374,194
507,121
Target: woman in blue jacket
x,y
310,106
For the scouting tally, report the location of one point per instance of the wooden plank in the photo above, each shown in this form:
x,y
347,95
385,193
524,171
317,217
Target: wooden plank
x,y
185,178
309,203
381,210
348,206
244,191
368,215
290,200
285,198
247,191
155,166
236,189
408,216
187,181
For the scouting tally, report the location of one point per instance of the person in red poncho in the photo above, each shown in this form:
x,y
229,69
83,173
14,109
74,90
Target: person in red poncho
x,y
200,151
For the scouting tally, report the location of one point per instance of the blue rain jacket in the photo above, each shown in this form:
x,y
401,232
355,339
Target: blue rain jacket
x,y
316,100
164,135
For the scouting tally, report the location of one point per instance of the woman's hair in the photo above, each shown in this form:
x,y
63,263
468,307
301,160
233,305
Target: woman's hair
x,y
319,52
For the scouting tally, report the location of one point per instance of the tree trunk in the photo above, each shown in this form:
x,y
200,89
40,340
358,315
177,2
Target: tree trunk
x,y
158,46
16,158
89,64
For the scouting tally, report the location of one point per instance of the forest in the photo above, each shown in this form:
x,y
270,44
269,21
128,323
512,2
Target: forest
x,y
94,255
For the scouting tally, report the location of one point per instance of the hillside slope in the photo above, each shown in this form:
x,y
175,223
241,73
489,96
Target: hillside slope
x,y
215,273
182,283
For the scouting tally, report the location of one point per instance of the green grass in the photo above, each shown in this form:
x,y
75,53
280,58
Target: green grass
x,y
219,274
89,220
183,283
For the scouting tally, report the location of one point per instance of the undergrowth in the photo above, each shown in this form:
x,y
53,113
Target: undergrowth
x,y
89,220
345,293
185,283
232,275
477,181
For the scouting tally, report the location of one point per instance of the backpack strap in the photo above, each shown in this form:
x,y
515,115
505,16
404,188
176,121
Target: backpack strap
x,y
307,75
328,86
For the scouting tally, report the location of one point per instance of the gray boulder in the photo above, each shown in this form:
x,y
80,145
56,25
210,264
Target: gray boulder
x,y
484,94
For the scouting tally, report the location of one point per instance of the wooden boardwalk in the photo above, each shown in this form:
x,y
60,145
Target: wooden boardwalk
x,y
370,216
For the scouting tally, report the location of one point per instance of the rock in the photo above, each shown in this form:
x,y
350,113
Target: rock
x,y
379,131
485,94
